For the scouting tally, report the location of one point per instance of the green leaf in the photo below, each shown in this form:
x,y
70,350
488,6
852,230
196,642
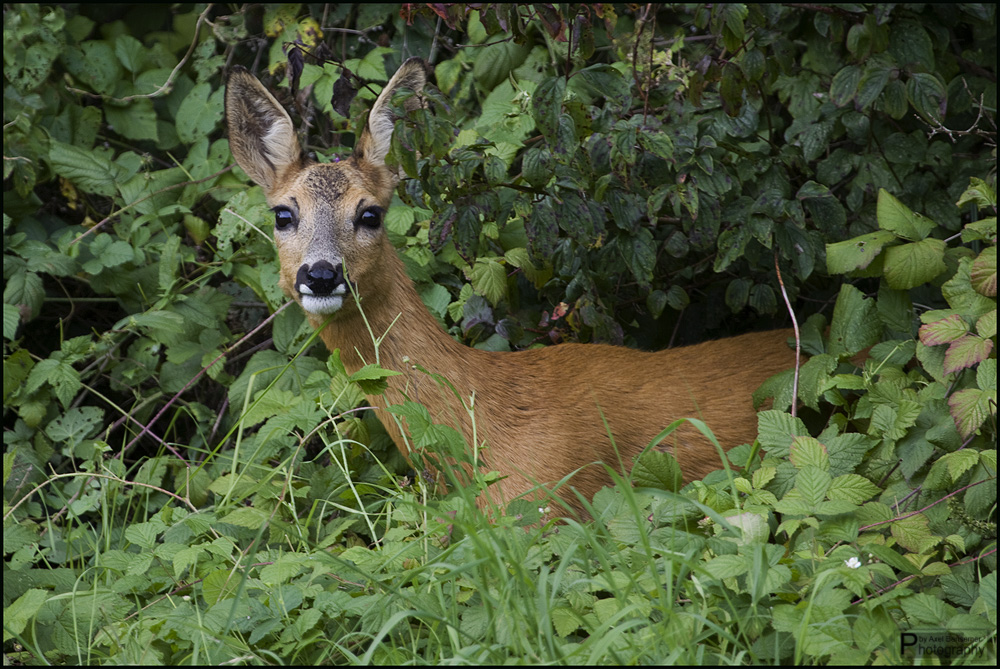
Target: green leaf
x,y
845,85
943,331
762,299
199,113
873,82
913,533
911,265
489,279
656,302
58,374
136,121
960,462
546,105
732,245
220,584
737,294
812,483
537,166
657,469
11,319
895,309
808,452
371,378
855,324
88,170
962,297
495,62
891,421
542,232
677,298
776,431
970,409
22,611
986,326
857,253
927,95
94,64
896,217
144,535
965,352
727,566
814,378
983,273
978,192
131,53
75,425
754,64
605,80
108,252
640,255
911,46
847,451
986,375
246,516
657,143
816,140
852,488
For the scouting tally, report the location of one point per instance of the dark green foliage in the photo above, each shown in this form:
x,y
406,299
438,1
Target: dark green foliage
x,y
186,474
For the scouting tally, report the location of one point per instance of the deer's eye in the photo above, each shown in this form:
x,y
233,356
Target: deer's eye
x,y
283,217
369,218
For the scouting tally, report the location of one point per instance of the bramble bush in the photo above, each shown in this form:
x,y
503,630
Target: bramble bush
x,y
188,476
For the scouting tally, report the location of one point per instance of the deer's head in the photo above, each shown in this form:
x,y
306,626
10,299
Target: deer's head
x,y
327,217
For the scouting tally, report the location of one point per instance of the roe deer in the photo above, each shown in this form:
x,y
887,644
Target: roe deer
x,y
540,413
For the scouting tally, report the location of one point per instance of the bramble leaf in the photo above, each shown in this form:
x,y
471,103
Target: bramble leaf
x,y
970,408
943,331
983,273
857,253
899,219
966,352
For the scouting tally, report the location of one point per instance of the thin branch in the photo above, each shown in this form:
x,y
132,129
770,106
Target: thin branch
x,y
798,340
472,46
197,376
143,199
878,592
93,476
170,79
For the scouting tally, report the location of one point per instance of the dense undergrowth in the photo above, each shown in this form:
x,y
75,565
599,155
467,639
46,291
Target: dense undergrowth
x,y
184,483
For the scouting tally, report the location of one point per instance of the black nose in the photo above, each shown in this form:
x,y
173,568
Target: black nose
x,y
320,279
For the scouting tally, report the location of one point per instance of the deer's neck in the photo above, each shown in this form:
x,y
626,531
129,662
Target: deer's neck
x,y
409,337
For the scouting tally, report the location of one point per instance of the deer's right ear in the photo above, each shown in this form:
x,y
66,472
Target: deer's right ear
x,y
261,135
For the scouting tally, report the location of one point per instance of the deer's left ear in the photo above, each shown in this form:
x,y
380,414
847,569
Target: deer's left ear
x,y
261,135
373,144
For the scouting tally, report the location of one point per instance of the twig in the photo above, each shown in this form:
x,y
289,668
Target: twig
x,y
93,476
472,46
929,506
141,200
197,376
798,340
166,84
878,592
434,42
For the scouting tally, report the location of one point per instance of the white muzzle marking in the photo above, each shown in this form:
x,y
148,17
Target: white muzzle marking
x,y
322,305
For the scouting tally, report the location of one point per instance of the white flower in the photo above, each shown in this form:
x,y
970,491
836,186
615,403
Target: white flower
x,y
853,563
